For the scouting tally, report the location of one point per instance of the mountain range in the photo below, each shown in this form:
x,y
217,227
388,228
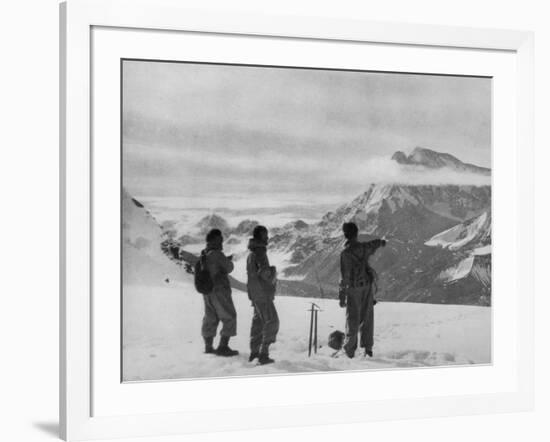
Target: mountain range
x,y
438,238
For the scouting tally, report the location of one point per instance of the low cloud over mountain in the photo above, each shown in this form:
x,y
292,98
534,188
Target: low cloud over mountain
x,y
421,167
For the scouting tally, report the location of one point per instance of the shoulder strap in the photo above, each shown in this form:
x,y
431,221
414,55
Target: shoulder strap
x,y
202,259
360,271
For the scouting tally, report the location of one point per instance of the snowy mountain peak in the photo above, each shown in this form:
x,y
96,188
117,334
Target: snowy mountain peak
x,y
432,159
394,195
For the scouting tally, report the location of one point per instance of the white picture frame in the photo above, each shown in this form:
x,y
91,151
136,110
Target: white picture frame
x,y
79,418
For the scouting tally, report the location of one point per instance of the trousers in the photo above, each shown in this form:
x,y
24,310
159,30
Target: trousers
x,y
359,319
218,306
265,324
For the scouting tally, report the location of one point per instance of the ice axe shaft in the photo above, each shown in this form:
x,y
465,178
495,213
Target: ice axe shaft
x,y
313,328
315,331
310,331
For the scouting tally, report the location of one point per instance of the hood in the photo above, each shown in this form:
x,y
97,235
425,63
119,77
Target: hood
x,y
254,244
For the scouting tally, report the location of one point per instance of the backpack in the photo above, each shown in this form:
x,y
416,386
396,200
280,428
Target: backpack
x,y
203,280
363,272
269,287
359,271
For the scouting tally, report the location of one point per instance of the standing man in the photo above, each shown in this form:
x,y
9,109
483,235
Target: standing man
x,y
262,280
218,304
357,289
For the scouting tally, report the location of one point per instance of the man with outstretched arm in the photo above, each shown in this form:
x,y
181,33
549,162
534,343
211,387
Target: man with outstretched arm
x,y
357,289
262,279
218,304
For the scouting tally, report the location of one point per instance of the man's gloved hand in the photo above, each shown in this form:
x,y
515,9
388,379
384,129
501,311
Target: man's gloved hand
x,y
383,242
273,271
342,298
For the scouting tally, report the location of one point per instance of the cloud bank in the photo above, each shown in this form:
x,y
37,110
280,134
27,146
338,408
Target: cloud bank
x,y
385,170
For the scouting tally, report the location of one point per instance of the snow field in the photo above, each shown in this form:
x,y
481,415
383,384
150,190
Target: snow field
x,y
161,336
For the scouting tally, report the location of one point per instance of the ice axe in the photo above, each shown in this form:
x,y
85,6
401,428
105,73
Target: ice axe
x,y
314,310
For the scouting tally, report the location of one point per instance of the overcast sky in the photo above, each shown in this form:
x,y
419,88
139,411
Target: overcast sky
x,y
192,129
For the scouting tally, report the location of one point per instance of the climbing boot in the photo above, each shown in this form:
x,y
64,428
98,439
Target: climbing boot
x,y
224,349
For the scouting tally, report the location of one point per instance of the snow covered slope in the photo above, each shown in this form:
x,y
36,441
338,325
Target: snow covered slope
x,y
471,240
142,258
476,231
162,336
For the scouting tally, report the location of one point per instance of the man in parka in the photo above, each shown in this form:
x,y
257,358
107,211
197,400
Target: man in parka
x,y
357,289
261,291
218,304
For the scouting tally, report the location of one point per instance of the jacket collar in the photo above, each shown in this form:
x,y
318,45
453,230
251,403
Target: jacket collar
x,y
351,243
213,246
254,243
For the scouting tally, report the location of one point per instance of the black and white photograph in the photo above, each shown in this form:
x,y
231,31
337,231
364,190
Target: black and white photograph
x,y
283,220
278,220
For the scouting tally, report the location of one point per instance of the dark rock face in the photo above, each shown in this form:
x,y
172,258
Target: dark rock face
x,y
432,274
137,203
400,157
